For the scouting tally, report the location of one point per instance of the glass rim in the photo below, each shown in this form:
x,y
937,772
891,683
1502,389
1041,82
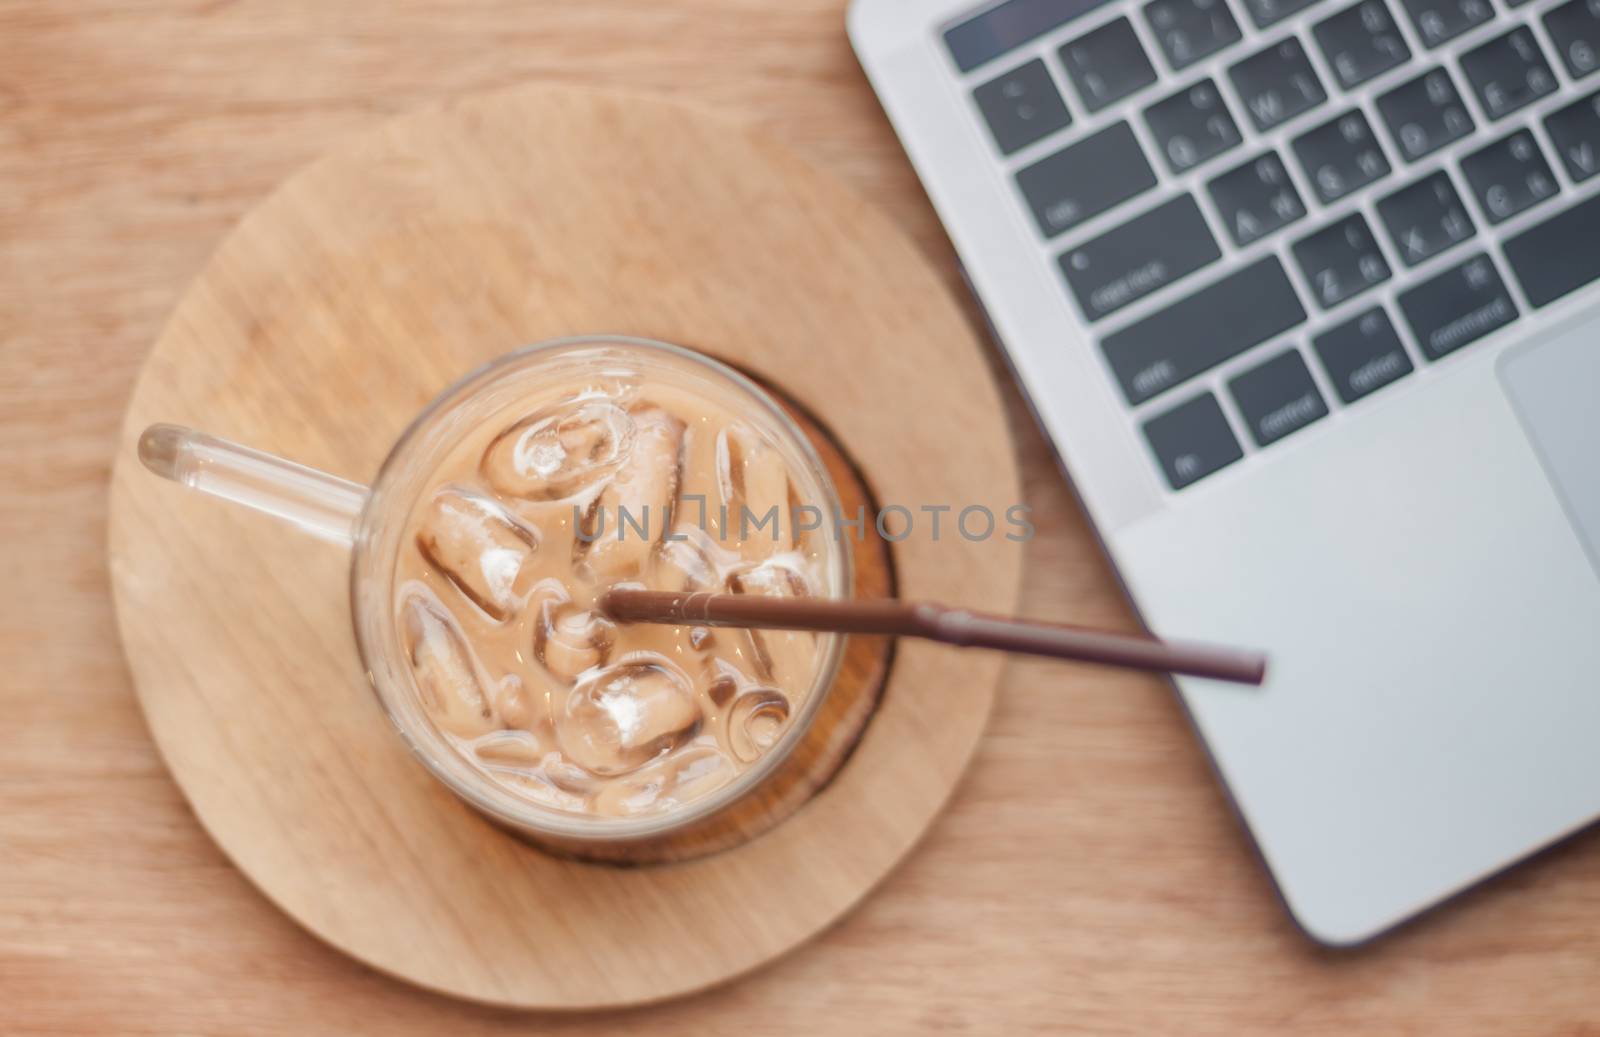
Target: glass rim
x,y
427,745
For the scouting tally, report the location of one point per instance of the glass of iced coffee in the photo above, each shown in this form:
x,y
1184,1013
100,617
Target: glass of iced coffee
x,y
512,502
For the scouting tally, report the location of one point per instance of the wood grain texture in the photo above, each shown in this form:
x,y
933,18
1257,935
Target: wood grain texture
x,y
1088,876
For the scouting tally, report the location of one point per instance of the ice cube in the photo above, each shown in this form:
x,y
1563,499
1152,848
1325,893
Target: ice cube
x,y
559,451
692,560
480,548
537,787
523,761
515,704
773,578
684,567
620,717
686,775
564,774
448,678
784,657
569,640
723,680
635,508
754,481
509,750
755,721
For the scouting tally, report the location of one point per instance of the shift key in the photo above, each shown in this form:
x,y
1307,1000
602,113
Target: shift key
x,y
1146,253
1559,256
1202,330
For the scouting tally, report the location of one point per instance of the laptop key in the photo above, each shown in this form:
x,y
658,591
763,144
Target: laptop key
x,y
1361,42
1107,64
1509,176
1508,72
1256,199
1341,156
1277,84
1439,21
1006,26
1457,307
1189,30
1277,398
1270,12
1425,114
1021,106
1575,132
1192,126
1362,355
1147,253
1341,260
1425,218
1203,329
1574,28
1559,255
1085,179
1192,440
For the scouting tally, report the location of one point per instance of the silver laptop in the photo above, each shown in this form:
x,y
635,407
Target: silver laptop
x,y
1306,293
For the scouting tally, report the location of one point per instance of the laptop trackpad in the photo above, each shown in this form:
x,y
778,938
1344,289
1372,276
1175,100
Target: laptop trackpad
x,y
1551,383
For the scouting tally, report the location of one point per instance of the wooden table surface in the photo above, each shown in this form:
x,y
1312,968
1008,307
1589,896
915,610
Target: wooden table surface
x,y
1088,877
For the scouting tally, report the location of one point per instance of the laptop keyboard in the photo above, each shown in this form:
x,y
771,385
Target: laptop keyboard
x,y
1264,211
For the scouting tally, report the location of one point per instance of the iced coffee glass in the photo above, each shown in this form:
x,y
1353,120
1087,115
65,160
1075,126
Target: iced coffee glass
x,y
507,506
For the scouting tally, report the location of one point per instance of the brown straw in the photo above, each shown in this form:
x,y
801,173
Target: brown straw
x,y
951,626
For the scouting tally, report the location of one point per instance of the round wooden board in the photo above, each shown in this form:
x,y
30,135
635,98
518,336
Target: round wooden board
x,y
335,311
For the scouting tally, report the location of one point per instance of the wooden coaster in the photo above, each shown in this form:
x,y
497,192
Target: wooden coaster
x,y
330,316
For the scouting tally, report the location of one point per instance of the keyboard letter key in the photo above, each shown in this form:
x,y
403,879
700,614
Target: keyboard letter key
x,y
1508,72
1192,126
1361,42
1440,20
1575,29
1341,260
1256,199
1341,156
1191,29
1425,218
1509,176
1425,114
1107,65
1575,131
1270,12
1277,84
